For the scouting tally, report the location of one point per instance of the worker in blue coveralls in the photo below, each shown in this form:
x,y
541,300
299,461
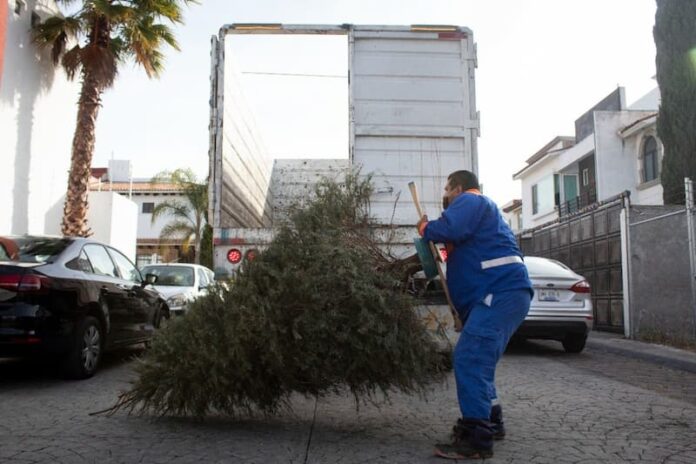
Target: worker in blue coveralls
x,y
491,291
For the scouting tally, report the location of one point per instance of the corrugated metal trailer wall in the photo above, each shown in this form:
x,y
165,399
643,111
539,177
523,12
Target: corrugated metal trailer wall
x,y
413,112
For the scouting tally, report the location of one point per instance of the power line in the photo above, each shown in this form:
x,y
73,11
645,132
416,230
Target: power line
x,y
330,76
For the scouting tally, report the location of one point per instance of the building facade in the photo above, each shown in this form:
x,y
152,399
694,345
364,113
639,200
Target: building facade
x,y
512,213
615,149
146,195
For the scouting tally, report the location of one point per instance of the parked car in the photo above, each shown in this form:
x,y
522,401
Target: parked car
x,y
562,305
72,298
180,283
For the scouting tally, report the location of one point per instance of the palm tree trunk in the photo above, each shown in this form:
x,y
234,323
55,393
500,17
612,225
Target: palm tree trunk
x,y
76,204
197,245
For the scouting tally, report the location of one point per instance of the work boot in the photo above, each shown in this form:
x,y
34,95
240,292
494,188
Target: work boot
x,y
472,439
497,423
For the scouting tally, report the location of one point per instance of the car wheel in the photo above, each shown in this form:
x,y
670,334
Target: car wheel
x,y
574,343
85,354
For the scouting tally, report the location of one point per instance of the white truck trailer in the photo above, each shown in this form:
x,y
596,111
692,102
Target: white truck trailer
x,y
412,117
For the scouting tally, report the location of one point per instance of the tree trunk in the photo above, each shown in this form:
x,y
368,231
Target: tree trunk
x,y
197,245
76,204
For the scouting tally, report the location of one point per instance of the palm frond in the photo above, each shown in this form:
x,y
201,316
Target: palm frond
x,y
175,208
176,230
72,61
116,13
186,243
55,32
167,9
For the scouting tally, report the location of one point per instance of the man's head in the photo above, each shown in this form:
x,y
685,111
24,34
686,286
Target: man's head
x,y
457,183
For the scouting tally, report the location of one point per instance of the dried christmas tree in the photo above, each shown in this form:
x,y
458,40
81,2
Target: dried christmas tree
x,y
320,310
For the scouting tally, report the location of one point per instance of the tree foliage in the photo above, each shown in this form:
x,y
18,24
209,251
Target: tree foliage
x,y
675,40
91,40
321,309
187,217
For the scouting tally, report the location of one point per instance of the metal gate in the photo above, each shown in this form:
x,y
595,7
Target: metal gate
x,y
589,242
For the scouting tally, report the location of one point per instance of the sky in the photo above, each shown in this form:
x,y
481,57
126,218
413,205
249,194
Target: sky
x,y
541,64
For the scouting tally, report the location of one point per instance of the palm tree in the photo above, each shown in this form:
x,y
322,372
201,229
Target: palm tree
x,y
102,34
188,217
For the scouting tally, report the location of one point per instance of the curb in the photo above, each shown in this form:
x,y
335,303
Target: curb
x,y
656,354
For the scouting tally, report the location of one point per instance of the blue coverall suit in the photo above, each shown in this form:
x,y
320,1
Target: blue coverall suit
x,y
490,289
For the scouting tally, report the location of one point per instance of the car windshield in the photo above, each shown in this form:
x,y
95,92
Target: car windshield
x,y
546,267
171,276
30,249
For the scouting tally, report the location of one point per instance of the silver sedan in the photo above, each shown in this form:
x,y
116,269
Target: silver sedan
x,y
562,305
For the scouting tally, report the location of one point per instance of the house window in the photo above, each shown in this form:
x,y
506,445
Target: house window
x,y
650,169
586,177
148,208
544,195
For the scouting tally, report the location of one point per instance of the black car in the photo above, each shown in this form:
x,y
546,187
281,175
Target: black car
x,y
72,298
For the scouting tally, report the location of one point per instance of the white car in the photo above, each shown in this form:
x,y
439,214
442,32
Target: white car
x,y
562,305
180,283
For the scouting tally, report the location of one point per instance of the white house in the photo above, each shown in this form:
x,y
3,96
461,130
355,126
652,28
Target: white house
x,y
615,149
146,195
37,122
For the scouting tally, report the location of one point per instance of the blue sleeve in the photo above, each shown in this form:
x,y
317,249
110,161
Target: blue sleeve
x,y
458,222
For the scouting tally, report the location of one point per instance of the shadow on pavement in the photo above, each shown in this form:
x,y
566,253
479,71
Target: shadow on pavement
x,y
46,370
547,348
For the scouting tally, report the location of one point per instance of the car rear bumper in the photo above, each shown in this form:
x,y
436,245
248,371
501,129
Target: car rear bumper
x,y
27,329
553,329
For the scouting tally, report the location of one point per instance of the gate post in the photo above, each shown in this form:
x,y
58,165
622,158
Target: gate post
x,y
689,203
624,219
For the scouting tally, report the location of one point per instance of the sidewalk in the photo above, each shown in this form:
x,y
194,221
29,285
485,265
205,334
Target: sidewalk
x,y
659,354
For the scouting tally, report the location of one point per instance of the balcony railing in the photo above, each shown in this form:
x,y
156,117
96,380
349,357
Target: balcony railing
x,y
586,198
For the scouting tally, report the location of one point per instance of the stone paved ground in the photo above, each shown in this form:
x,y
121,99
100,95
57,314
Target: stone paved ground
x,y
595,407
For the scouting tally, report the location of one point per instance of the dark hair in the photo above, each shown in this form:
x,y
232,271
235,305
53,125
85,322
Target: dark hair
x,y
464,179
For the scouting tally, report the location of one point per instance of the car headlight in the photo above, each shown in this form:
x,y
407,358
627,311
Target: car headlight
x,y
177,301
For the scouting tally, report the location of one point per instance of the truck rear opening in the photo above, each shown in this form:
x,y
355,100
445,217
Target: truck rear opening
x,y
412,117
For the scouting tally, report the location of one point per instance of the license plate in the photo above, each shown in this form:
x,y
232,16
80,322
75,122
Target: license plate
x,y
549,295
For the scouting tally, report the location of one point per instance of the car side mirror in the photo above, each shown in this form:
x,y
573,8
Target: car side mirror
x,y
150,279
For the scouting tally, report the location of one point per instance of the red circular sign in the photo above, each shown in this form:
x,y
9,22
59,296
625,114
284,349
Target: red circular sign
x,y
234,256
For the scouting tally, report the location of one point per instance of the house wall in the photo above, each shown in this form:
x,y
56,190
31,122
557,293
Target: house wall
x,y
649,196
617,159
540,172
615,101
146,228
113,219
37,122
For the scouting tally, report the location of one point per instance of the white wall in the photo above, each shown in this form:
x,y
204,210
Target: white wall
x,y
113,220
145,227
540,171
37,122
619,160
616,159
